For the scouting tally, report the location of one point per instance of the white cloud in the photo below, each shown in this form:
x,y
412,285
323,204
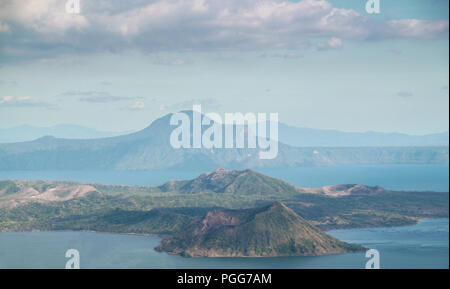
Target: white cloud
x,y
43,16
96,96
207,103
138,105
333,43
6,99
413,28
174,25
170,62
23,101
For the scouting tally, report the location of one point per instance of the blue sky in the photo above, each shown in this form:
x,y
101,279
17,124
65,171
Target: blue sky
x,y
319,64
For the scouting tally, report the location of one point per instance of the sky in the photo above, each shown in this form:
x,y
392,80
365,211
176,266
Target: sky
x,y
118,65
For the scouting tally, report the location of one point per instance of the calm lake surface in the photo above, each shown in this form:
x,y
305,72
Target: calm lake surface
x,y
394,177
425,245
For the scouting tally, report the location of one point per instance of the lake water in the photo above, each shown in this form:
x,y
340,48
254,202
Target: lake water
x,y
425,245
394,177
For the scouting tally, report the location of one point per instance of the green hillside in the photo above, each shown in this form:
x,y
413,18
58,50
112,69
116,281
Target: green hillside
x,y
273,230
56,205
246,182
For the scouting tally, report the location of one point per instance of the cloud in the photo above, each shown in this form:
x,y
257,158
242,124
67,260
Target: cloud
x,y
43,28
207,103
289,55
170,62
138,105
333,43
43,16
97,96
419,29
405,94
23,101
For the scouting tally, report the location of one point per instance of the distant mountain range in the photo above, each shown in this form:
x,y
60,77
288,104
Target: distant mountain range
x,y
307,137
290,135
150,149
28,133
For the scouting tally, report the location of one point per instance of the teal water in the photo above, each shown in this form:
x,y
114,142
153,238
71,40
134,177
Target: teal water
x,y
394,177
425,245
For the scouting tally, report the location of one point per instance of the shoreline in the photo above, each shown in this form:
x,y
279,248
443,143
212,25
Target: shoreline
x,y
164,236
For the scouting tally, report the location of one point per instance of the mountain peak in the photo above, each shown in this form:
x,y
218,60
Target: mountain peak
x,y
274,230
278,205
46,138
245,182
221,172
